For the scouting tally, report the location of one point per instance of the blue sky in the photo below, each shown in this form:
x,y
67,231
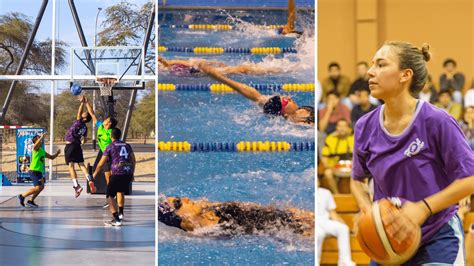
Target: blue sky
x,y
66,31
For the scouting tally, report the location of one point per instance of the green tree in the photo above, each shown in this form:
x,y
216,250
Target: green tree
x,y
125,25
28,106
143,120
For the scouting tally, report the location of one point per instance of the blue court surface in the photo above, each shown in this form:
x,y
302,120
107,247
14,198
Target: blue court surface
x,y
70,231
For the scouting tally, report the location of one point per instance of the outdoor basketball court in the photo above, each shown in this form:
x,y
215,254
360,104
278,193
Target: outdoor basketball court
x,y
66,231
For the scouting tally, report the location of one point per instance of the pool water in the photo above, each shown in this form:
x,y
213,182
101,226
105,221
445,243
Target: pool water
x,y
283,179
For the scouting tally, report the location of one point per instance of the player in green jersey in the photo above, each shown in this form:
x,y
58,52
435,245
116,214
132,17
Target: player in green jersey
x,y
36,171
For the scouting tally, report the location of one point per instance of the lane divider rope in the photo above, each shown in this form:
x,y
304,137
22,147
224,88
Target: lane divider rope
x,y
221,88
243,146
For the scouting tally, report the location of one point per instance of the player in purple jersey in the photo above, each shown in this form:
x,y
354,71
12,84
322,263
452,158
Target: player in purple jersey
x,y
123,166
76,136
415,152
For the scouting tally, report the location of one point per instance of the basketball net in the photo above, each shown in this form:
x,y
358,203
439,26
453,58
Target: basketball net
x,y
106,84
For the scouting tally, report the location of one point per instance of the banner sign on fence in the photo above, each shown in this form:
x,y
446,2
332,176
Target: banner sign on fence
x,y
24,149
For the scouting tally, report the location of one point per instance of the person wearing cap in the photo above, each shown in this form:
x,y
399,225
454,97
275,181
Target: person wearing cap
x,y
278,105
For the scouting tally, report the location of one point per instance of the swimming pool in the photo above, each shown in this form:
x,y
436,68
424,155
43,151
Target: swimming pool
x,y
284,179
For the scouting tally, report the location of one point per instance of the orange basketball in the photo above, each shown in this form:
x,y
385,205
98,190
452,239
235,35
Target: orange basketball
x,y
377,244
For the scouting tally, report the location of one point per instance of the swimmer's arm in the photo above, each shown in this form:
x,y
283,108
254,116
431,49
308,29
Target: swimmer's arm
x,y
178,61
290,26
247,91
360,194
101,163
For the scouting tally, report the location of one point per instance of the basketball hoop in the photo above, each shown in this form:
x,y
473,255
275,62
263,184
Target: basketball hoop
x,y
106,84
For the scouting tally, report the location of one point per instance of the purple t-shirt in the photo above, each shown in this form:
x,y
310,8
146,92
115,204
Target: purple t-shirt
x,y
120,156
77,130
424,159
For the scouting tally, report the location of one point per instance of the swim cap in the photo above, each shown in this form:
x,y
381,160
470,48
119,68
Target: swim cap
x,y
166,213
273,106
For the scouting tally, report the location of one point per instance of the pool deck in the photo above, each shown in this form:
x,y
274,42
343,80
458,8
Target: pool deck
x,y
69,231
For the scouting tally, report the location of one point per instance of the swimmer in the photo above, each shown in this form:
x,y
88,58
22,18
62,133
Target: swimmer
x,y
273,105
289,28
232,217
190,67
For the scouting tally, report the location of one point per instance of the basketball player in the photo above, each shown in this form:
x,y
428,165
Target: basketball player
x,y
104,129
36,171
75,137
122,162
416,152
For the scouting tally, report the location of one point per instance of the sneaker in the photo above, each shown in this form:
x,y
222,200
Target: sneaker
x,y
113,222
106,204
78,190
32,204
121,216
21,200
92,187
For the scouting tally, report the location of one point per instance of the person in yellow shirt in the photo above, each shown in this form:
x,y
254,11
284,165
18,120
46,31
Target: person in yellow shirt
x,y
338,147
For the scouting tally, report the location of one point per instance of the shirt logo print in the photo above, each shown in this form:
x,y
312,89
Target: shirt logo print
x,y
414,148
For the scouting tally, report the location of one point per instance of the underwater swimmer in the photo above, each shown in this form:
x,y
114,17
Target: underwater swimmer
x,y
273,105
232,217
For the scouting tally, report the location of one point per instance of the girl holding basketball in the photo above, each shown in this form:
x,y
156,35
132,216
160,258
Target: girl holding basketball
x,y
415,152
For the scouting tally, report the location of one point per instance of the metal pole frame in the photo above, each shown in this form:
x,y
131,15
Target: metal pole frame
x,y
21,65
83,40
53,89
133,96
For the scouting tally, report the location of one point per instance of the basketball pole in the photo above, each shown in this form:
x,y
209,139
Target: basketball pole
x,y
53,90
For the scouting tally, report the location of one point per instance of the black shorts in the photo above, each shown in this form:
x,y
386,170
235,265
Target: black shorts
x,y
37,178
106,167
73,153
118,183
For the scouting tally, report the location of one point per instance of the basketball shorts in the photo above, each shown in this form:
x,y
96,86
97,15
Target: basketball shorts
x,y
37,178
73,153
118,183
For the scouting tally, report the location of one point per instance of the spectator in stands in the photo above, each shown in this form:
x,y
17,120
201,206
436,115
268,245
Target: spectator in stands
x,y
469,96
445,102
338,146
429,92
467,125
452,79
336,81
333,112
362,82
364,105
330,224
